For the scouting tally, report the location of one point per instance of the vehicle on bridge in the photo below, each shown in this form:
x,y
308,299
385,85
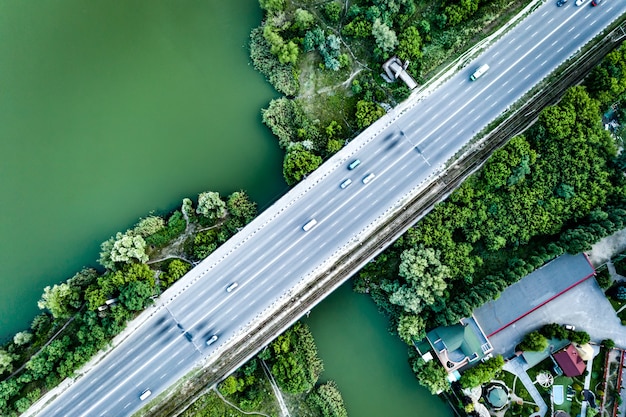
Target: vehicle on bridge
x,y
346,183
232,286
309,225
560,3
212,340
145,394
596,2
368,177
479,72
354,164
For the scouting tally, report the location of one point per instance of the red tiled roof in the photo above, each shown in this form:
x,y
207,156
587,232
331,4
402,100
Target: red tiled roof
x,y
569,361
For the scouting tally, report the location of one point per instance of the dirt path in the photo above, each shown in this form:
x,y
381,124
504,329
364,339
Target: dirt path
x,y
284,411
250,413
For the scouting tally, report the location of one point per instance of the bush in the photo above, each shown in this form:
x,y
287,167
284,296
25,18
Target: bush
x,y
533,341
604,278
281,76
608,344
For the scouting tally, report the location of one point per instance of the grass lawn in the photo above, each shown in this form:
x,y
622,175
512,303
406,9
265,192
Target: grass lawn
x,y
565,381
515,385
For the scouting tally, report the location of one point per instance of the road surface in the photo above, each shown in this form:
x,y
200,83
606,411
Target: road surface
x,y
274,254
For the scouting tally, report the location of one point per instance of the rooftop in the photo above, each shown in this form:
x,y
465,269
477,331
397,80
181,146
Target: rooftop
x,y
570,362
460,344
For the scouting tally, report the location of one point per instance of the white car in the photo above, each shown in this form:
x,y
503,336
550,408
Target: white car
x,y
368,177
231,287
145,394
346,183
580,2
212,340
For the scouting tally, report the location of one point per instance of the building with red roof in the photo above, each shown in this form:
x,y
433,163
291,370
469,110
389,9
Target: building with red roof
x,y
570,361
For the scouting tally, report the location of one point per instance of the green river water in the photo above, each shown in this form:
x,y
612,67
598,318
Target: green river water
x,y
112,109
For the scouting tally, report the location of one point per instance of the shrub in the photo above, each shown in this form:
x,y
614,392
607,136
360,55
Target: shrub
x,y
604,278
533,341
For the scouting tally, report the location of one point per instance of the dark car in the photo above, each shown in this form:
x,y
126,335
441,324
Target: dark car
x,y
596,2
560,3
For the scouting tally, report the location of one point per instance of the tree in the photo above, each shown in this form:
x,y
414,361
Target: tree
x,y
579,337
385,37
533,341
239,205
554,331
272,5
6,360
175,269
411,327
303,19
328,398
409,45
149,226
298,163
425,276
482,373
332,11
135,295
211,206
123,248
288,53
55,300
367,112
22,338
431,375
608,344
229,386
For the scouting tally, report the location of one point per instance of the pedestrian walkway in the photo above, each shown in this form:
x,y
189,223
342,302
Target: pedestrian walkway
x,y
596,350
518,367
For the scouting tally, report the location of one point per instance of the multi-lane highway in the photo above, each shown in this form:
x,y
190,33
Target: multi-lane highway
x,y
274,254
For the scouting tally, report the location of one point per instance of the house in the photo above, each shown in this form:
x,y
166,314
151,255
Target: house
x,y
570,361
459,345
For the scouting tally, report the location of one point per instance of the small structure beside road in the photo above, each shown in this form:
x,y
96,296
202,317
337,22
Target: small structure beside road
x,y
394,69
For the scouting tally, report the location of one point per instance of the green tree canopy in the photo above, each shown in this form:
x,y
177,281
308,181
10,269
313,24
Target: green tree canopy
x,y
367,112
211,205
386,39
425,278
410,45
298,163
482,372
533,341
431,375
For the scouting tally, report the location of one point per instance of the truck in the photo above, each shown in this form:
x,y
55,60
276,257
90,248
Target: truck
x,y
479,72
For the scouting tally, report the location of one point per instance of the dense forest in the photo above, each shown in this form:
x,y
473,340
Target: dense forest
x,y
558,188
326,59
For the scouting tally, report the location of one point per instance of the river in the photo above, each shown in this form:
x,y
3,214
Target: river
x,y
369,365
110,110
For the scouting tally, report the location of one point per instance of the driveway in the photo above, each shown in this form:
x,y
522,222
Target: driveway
x,y
584,306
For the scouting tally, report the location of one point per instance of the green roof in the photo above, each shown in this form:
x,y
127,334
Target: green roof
x,y
456,338
497,397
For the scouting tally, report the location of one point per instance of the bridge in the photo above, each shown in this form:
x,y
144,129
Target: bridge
x,y
283,270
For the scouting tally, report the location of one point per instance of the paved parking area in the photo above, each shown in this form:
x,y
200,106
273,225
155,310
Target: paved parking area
x,y
584,306
533,291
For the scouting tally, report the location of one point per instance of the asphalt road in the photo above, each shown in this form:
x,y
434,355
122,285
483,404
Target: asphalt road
x,y
273,254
